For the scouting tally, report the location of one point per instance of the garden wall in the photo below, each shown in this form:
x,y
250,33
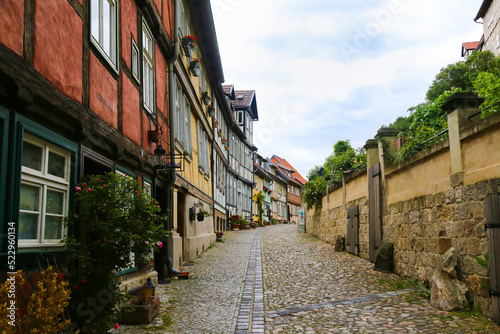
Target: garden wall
x,y
430,203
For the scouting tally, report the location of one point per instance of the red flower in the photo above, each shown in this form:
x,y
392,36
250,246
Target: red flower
x,y
84,280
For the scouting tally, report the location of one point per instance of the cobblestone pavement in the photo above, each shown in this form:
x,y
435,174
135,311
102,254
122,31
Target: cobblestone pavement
x,y
297,284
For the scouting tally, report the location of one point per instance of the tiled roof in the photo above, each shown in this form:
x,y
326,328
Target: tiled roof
x,y
283,164
243,98
470,45
228,89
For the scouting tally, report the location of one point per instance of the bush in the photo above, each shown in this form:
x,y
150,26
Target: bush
x,y
121,222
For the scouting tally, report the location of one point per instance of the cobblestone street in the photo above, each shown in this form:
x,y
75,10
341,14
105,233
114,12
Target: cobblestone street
x,y
276,280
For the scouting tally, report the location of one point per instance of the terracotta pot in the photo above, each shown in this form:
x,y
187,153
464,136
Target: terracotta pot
x,y
235,227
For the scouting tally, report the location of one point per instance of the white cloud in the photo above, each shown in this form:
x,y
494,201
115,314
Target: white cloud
x,y
290,52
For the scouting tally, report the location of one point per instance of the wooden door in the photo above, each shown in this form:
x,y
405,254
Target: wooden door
x,y
492,207
374,217
352,239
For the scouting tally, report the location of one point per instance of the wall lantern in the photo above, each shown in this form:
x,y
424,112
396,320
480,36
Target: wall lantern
x,y
160,157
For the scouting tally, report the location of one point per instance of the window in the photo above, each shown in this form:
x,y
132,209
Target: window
x,y
203,156
182,130
240,117
187,126
103,27
44,192
148,77
135,62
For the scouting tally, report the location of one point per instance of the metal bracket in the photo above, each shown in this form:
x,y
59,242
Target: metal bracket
x,y
487,226
494,293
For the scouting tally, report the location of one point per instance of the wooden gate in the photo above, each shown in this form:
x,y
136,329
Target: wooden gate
x,y
374,218
492,208
352,242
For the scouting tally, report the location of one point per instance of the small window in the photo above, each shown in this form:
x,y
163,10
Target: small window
x,y
148,71
135,62
104,27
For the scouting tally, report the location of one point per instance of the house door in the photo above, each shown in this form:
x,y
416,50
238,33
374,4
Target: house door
x,y
374,218
352,242
181,219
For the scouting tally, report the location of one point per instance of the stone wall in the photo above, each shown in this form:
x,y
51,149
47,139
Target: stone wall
x,y
430,203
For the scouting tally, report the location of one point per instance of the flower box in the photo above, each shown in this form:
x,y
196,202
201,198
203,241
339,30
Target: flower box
x,y
194,67
188,44
143,314
206,98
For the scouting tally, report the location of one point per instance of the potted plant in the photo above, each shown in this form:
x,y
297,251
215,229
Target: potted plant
x,y
211,110
144,306
194,67
202,214
224,141
226,147
218,236
206,98
188,43
235,222
244,224
219,132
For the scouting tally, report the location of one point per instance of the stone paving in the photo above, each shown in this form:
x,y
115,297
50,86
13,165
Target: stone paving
x,y
276,280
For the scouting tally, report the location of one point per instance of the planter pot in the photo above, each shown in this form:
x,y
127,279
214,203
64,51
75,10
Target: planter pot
x,y
235,227
219,133
246,227
233,218
188,47
143,314
200,218
218,239
194,67
205,98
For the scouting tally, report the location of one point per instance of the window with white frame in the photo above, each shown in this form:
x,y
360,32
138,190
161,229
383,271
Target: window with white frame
x,y
187,126
203,156
148,77
136,71
44,192
104,28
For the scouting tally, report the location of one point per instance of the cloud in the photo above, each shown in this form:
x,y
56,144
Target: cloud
x,y
329,70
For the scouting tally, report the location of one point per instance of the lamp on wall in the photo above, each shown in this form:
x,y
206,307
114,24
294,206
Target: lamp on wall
x,y
160,157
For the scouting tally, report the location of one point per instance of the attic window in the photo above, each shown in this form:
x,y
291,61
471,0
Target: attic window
x,y
240,97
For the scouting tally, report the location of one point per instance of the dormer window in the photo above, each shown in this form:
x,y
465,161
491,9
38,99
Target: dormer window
x,y
240,97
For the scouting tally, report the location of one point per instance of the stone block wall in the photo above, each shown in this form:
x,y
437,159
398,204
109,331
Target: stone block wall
x,y
430,203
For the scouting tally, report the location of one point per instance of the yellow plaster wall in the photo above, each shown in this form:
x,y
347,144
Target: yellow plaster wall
x,y
481,156
426,176
191,171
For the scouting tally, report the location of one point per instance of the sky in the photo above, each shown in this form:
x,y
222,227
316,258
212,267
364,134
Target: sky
x,y
330,70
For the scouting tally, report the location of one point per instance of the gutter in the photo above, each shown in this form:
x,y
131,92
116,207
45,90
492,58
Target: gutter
x,y
172,175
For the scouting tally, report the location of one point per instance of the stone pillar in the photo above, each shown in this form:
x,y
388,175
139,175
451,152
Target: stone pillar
x,y
386,137
372,156
459,106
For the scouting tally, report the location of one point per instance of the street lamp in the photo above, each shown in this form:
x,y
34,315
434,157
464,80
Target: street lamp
x,y
160,157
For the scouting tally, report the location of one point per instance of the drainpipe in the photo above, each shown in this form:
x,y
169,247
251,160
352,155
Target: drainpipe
x,y
167,258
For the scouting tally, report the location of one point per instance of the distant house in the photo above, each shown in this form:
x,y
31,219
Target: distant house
x,y
240,176
468,48
263,181
489,13
294,189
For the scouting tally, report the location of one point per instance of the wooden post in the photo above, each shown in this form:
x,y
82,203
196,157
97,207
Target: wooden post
x,y
492,208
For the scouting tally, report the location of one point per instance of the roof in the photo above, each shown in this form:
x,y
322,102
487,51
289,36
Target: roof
x,y
229,90
282,165
470,45
483,10
204,26
243,98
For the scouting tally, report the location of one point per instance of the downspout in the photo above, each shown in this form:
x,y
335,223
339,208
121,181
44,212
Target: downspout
x,y
171,120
